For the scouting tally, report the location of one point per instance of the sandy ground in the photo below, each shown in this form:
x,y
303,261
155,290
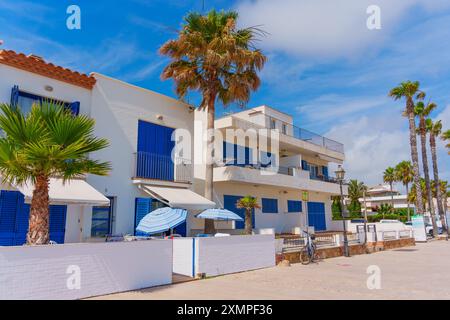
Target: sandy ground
x,y
420,272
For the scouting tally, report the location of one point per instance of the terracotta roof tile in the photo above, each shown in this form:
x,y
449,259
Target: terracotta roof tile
x,y
35,64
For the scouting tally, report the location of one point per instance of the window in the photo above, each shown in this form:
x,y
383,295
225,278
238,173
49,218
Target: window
x,y
102,220
273,124
25,101
269,205
284,129
294,206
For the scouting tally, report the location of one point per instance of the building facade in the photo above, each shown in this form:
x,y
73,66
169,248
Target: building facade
x,y
142,127
301,164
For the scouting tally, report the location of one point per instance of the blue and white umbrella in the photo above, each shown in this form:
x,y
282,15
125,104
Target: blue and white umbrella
x,y
161,220
220,215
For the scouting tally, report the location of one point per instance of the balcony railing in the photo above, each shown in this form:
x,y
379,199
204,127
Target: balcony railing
x,y
288,171
301,134
306,135
161,167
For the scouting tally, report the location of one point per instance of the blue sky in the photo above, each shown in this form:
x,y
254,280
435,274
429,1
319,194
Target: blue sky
x,y
325,67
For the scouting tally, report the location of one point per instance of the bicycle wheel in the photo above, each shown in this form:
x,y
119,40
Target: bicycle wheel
x,y
315,257
304,256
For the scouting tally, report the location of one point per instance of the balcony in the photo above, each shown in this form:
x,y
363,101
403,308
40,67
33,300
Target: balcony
x,y
282,177
286,129
163,168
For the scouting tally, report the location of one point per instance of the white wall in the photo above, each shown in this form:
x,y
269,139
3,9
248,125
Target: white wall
x,y
42,272
117,107
217,256
35,84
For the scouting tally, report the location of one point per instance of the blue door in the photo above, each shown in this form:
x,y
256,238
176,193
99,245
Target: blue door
x,y
316,216
229,203
14,217
154,156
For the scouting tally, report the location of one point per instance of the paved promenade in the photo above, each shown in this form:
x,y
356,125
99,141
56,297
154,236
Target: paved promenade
x,y
421,272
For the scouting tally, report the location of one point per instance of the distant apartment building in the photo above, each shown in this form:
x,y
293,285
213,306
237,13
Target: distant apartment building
x,y
382,194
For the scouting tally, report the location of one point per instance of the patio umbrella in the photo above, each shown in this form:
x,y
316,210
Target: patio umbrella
x,y
220,215
161,220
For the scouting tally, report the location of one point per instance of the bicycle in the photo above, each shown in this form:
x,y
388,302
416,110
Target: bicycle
x,y
309,253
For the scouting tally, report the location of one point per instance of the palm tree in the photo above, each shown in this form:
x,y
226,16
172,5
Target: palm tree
x,y
248,203
220,61
48,142
443,189
446,137
385,209
435,129
410,90
355,192
423,111
412,197
390,177
404,174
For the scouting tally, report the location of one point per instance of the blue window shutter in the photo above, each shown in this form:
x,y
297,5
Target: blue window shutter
x,y
294,206
325,172
15,96
143,207
305,165
269,205
75,108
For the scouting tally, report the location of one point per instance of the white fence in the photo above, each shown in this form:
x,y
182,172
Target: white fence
x,y
76,271
224,255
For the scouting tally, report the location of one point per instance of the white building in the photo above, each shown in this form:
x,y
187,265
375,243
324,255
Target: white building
x,y
302,162
382,194
139,125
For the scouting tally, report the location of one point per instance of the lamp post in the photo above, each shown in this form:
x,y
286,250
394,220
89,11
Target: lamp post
x,y
340,174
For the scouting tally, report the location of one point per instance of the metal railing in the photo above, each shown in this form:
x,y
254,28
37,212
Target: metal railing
x,y
404,234
296,244
161,167
389,235
306,135
353,238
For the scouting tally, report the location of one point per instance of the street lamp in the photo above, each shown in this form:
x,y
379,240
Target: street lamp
x,y
340,175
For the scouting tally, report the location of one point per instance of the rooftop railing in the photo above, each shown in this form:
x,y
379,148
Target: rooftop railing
x,y
301,134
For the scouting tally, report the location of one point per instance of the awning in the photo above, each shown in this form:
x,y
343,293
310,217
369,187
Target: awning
x,y
179,198
73,192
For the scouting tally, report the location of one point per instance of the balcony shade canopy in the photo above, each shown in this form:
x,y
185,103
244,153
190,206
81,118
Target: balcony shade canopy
x,y
219,215
161,220
71,192
179,198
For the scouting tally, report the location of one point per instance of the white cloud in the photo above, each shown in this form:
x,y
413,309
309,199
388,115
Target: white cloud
x,y
331,107
372,145
326,28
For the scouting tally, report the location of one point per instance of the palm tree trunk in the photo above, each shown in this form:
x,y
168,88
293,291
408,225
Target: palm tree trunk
x,y
39,221
209,174
407,202
248,222
414,154
423,142
436,179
